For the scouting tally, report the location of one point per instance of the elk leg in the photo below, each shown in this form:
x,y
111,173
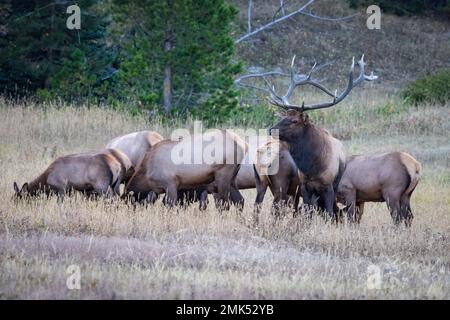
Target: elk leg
x,y
392,199
217,200
405,207
308,199
277,200
151,197
60,193
394,208
236,198
58,188
171,195
296,199
350,202
116,190
203,199
224,197
308,196
261,188
328,202
103,188
359,211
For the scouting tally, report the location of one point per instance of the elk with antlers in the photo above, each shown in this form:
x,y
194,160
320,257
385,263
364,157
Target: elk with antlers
x,y
318,155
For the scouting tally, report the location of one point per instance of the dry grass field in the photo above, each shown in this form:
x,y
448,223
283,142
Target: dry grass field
x,y
157,253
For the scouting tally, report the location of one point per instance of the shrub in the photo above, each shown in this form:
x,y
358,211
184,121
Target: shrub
x,y
432,89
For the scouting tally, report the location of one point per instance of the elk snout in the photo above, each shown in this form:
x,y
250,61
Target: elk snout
x,y
270,130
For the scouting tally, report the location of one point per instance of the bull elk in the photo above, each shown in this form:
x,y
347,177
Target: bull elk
x,y
274,168
98,173
388,177
159,173
318,155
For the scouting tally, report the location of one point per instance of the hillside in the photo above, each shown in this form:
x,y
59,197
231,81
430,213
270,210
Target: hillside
x,y
402,50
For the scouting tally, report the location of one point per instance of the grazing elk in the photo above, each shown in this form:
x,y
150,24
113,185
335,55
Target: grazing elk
x,y
275,168
159,172
245,179
388,177
98,173
135,145
317,154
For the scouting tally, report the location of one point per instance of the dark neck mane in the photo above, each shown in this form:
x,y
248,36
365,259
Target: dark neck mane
x,y
38,184
309,151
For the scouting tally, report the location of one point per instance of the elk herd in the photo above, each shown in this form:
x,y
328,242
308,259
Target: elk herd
x,y
299,161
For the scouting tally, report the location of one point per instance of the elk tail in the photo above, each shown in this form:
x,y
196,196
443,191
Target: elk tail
x,y
116,181
414,169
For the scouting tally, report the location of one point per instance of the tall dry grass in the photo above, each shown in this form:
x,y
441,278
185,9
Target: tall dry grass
x,y
183,253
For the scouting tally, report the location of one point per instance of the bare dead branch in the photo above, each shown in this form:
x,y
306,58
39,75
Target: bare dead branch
x,y
249,16
310,14
274,22
284,16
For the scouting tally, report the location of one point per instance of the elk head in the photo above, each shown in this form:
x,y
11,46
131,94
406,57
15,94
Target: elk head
x,y
22,192
292,125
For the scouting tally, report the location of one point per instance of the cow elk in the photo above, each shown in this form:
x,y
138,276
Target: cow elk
x,y
388,177
159,173
96,173
135,145
275,168
245,179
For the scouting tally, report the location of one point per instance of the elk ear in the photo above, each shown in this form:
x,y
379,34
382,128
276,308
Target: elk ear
x,y
304,117
16,188
281,113
24,187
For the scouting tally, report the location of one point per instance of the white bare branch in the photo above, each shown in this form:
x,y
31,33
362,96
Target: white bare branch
x,y
284,16
249,16
274,22
282,7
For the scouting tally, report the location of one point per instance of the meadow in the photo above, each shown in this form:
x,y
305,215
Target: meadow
x,y
185,253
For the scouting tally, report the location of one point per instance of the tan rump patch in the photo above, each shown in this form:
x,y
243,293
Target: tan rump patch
x,y
153,138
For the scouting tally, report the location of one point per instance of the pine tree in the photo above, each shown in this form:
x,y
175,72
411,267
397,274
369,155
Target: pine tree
x,y
38,50
180,53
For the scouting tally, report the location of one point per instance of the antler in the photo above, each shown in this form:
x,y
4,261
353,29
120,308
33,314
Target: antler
x,y
296,80
283,101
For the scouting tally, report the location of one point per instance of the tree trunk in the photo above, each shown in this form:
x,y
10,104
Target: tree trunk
x,y
167,90
50,49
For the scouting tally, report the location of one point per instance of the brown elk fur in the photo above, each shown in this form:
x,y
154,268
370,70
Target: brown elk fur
x,y
94,173
318,155
135,145
388,177
158,173
245,179
284,183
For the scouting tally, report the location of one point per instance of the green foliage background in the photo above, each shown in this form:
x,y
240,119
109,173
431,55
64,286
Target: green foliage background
x,y
39,54
434,88
117,59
